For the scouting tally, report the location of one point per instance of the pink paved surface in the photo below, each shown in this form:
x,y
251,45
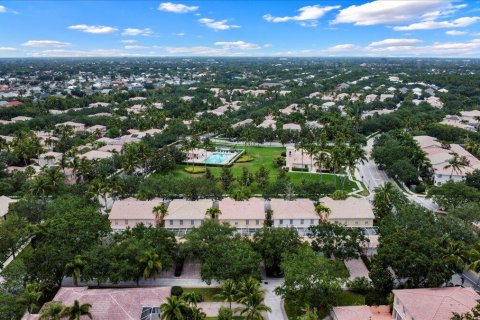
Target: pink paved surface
x,y
357,268
118,304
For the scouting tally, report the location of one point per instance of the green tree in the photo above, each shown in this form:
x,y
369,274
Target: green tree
x,y
273,243
253,306
453,194
31,296
160,212
262,176
52,311
456,163
150,262
472,315
385,199
13,233
213,213
226,178
323,212
309,280
228,292
77,311
75,268
173,309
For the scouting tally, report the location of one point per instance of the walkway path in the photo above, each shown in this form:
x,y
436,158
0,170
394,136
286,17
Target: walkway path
x,y
356,268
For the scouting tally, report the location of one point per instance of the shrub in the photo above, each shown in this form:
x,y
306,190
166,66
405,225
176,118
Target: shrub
x,y
420,188
176,291
244,158
224,314
195,170
340,195
359,285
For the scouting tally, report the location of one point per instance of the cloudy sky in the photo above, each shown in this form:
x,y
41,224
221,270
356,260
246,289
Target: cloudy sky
x,y
430,28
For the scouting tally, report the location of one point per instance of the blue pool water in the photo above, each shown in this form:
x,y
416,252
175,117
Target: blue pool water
x,y
219,158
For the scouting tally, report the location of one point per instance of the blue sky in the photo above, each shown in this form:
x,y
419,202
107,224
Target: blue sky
x,y
432,28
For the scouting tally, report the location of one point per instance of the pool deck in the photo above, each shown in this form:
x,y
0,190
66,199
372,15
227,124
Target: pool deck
x,y
230,161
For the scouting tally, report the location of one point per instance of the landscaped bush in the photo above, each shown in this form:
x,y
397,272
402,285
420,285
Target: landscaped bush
x,y
339,195
366,261
195,170
359,285
224,314
176,291
420,188
244,158
279,161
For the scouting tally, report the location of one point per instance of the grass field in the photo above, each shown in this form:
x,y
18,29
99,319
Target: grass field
x,y
208,294
265,156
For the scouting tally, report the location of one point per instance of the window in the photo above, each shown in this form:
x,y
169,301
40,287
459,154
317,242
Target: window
x,y
366,222
302,221
345,222
312,221
291,221
181,222
247,222
356,222
281,221
171,222
126,221
257,222
116,222
236,222
192,222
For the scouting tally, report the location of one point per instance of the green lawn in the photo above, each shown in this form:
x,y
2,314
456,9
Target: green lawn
x,y
346,298
208,294
265,156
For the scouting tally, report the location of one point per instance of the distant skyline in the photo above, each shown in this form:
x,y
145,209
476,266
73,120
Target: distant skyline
x,y
430,28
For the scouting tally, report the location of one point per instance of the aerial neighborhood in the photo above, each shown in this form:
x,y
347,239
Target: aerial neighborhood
x,y
171,179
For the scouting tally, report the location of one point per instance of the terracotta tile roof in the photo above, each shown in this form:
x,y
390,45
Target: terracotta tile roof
x,y
437,303
253,208
132,208
297,209
350,208
185,209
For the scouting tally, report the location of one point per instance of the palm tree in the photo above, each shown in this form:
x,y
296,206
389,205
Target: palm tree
x,y
75,268
247,287
196,313
190,145
311,150
160,212
254,306
456,163
192,298
384,199
323,212
150,262
31,296
77,310
173,309
228,292
52,311
213,213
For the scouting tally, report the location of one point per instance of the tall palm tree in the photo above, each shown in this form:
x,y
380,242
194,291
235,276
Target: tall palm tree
x,y
322,159
228,292
213,213
160,212
247,287
52,311
192,298
456,163
31,296
323,212
150,262
253,306
74,268
311,150
173,309
196,313
77,310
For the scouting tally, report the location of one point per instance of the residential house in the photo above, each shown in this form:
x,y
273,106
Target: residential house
x,y
242,123
183,215
351,212
432,303
77,127
300,159
130,212
49,159
247,216
299,214
4,205
96,155
292,126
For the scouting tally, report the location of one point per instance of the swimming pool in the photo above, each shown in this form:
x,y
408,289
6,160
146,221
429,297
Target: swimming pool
x,y
219,158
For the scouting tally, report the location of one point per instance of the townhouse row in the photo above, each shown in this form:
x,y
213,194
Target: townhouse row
x,y
247,216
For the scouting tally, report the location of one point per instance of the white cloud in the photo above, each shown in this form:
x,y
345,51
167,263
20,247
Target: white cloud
x,y
217,25
455,32
135,47
199,50
387,12
342,47
128,41
431,24
304,14
137,32
3,9
394,42
7,49
181,34
93,29
176,7
240,45
45,43
86,53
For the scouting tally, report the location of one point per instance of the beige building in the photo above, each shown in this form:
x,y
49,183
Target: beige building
x,y
351,212
183,215
299,214
247,216
130,212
